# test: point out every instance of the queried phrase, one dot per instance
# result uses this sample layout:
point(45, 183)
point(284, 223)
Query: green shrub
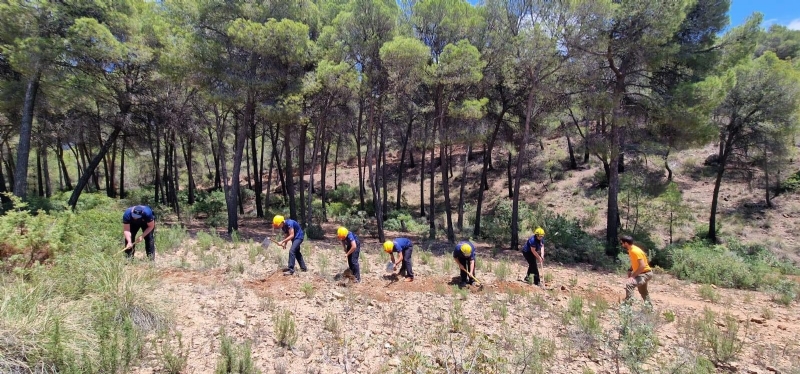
point(235, 358)
point(791, 184)
point(337, 209)
point(209, 204)
point(742, 267)
point(719, 342)
point(315, 232)
point(345, 194)
point(785, 292)
point(285, 328)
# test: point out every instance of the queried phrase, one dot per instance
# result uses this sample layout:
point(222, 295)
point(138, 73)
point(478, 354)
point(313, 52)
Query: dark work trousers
point(533, 267)
point(294, 253)
point(149, 241)
point(464, 276)
point(352, 263)
point(406, 266)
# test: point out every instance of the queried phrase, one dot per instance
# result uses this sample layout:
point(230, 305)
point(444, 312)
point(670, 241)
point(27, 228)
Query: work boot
point(462, 284)
point(409, 279)
point(288, 272)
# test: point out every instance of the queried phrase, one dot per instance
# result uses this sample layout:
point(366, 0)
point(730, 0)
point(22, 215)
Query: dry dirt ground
point(387, 326)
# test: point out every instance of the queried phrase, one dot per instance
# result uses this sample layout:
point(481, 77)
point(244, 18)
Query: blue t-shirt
point(144, 211)
point(533, 242)
point(460, 255)
point(401, 244)
point(348, 242)
point(298, 231)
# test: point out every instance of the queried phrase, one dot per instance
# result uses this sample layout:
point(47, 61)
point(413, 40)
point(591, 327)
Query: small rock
point(240, 322)
point(395, 362)
point(780, 327)
point(757, 320)
point(564, 288)
point(773, 369)
point(337, 295)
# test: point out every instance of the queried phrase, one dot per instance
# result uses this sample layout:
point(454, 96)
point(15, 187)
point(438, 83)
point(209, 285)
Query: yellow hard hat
point(341, 232)
point(466, 249)
point(388, 246)
point(538, 231)
point(278, 220)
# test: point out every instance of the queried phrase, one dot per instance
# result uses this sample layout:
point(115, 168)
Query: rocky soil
point(387, 326)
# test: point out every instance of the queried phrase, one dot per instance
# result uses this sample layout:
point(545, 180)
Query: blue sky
point(783, 12)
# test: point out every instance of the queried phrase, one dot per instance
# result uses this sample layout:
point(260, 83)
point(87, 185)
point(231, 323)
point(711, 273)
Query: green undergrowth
point(83, 308)
point(733, 265)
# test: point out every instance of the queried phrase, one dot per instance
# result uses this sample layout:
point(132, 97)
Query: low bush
point(791, 184)
point(345, 194)
point(285, 329)
point(337, 209)
point(210, 204)
point(744, 267)
point(315, 232)
point(235, 358)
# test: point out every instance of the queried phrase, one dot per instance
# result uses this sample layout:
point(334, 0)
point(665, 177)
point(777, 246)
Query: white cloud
point(794, 25)
point(769, 22)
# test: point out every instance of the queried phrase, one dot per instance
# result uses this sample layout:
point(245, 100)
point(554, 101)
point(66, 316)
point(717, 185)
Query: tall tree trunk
point(432, 209)
point(315, 149)
point(372, 160)
point(241, 140)
point(26, 127)
point(84, 179)
point(112, 171)
point(460, 223)
point(712, 220)
point(612, 217)
point(74, 148)
point(445, 169)
point(301, 169)
point(63, 166)
point(287, 141)
point(122, 169)
point(215, 155)
point(488, 147)
point(88, 156)
point(187, 148)
point(323, 182)
point(155, 154)
point(257, 170)
point(106, 180)
point(259, 201)
point(573, 164)
point(176, 176)
point(39, 172)
point(276, 156)
point(382, 157)
point(666, 166)
point(518, 175)
point(509, 180)
point(359, 125)
point(269, 175)
point(400, 170)
point(3, 198)
point(336, 161)
point(48, 189)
